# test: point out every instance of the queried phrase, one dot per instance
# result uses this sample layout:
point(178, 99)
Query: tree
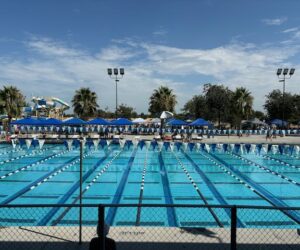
point(274, 105)
point(196, 107)
point(125, 111)
point(218, 99)
point(162, 99)
point(85, 103)
point(242, 102)
point(259, 115)
point(295, 117)
point(11, 101)
point(105, 113)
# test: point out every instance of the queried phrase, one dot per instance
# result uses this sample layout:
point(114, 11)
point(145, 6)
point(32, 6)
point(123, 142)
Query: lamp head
point(116, 71)
point(279, 72)
point(292, 71)
point(109, 71)
point(285, 71)
point(122, 72)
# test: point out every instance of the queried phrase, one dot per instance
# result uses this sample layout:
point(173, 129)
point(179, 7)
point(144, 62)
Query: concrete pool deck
point(37, 238)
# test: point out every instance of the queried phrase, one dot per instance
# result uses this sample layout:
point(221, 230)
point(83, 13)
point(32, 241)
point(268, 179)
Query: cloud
point(275, 21)
point(160, 32)
point(53, 68)
point(290, 30)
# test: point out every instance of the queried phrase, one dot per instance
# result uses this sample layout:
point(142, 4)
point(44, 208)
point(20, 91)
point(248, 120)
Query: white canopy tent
point(139, 121)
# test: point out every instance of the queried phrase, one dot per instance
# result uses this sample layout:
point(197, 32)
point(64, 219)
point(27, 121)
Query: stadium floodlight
point(282, 78)
point(279, 71)
point(292, 71)
point(114, 74)
point(285, 71)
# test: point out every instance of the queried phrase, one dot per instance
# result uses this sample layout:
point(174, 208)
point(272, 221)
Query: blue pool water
point(133, 175)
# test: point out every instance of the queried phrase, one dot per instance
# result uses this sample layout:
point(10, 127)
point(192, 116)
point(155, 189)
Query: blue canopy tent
point(74, 125)
point(279, 123)
point(27, 121)
point(51, 122)
point(176, 122)
point(98, 121)
point(200, 123)
point(74, 122)
point(121, 122)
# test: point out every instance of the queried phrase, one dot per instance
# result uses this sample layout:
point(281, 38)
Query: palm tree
point(11, 101)
point(162, 99)
point(242, 103)
point(85, 103)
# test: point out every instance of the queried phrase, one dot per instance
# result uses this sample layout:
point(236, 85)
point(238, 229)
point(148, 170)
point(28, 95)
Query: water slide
point(55, 99)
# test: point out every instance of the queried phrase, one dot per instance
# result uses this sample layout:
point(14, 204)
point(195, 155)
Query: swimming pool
point(169, 174)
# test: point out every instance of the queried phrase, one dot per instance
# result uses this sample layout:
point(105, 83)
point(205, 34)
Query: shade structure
point(74, 122)
point(139, 120)
point(155, 121)
point(176, 122)
point(51, 122)
point(255, 121)
point(121, 122)
point(166, 115)
point(27, 121)
point(278, 122)
point(200, 122)
point(98, 121)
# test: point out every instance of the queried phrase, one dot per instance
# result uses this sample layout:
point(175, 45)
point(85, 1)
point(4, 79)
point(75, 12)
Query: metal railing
point(243, 227)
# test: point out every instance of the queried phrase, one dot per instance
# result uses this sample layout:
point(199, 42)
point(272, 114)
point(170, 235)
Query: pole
point(233, 228)
point(80, 194)
point(283, 102)
point(117, 97)
point(100, 231)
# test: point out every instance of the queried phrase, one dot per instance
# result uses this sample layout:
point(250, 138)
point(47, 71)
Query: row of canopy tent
point(257, 122)
point(71, 122)
point(99, 121)
point(197, 123)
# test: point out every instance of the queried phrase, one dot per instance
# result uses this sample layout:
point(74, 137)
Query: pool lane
point(110, 216)
point(26, 157)
point(37, 182)
point(68, 193)
point(140, 201)
point(183, 191)
point(207, 183)
point(23, 175)
point(283, 178)
point(87, 185)
point(216, 218)
point(54, 189)
point(32, 163)
point(104, 190)
point(243, 171)
point(282, 165)
point(264, 167)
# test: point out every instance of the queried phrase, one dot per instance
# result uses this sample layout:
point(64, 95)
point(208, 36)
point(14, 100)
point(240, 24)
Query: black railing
point(18, 222)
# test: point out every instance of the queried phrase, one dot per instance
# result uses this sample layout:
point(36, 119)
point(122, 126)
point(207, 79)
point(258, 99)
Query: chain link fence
point(149, 226)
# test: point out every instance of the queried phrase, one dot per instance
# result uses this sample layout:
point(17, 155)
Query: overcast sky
point(52, 48)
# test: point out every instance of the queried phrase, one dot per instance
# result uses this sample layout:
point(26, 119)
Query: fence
point(149, 226)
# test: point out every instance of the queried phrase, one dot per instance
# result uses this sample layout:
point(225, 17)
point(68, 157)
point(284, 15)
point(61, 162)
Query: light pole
point(282, 76)
point(114, 74)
